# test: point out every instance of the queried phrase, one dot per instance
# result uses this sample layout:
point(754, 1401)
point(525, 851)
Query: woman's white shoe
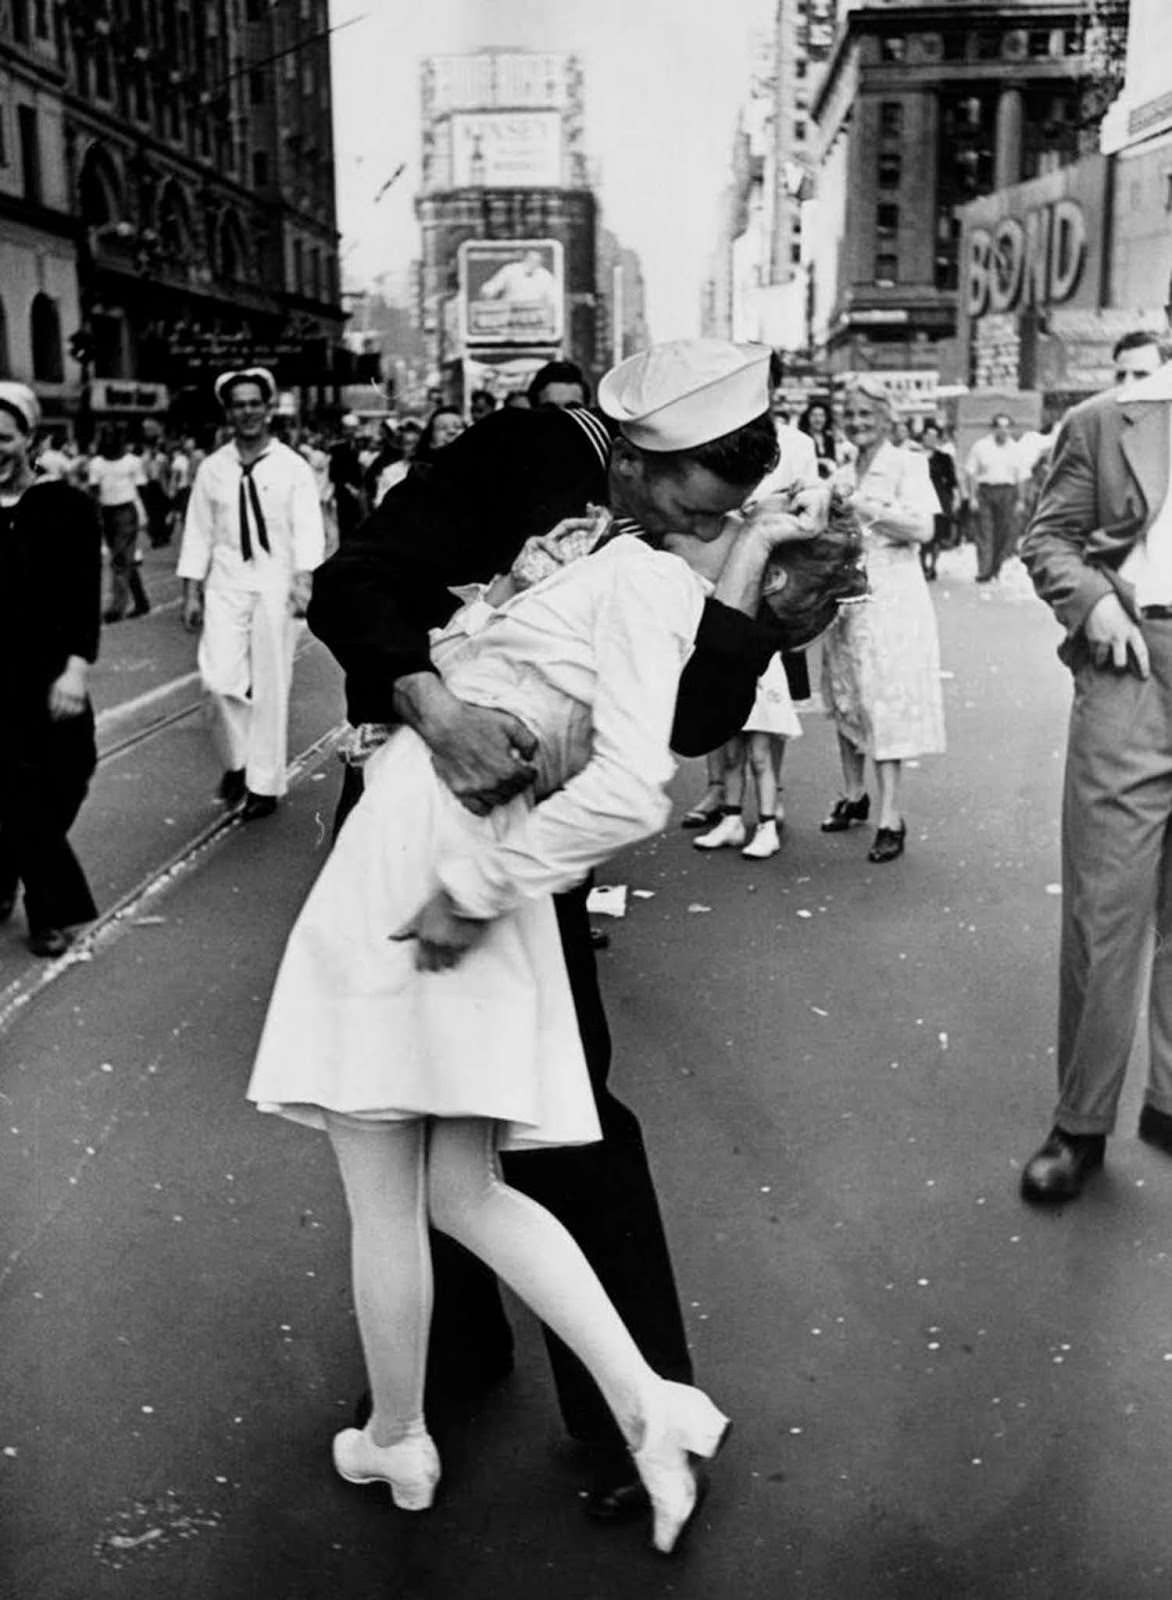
point(679, 1423)
point(410, 1468)
point(730, 830)
point(764, 842)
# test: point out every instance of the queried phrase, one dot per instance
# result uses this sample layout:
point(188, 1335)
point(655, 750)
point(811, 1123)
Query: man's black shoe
point(621, 1501)
point(1155, 1127)
point(257, 806)
point(232, 786)
point(1059, 1169)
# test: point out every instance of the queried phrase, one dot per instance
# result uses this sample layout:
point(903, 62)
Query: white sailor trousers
point(246, 663)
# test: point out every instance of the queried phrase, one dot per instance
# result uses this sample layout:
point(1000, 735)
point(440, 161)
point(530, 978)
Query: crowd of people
point(534, 610)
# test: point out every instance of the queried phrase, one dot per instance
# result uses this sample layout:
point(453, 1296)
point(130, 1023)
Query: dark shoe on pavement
point(258, 806)
point(49, 941)
point(889, 843)
point(1059, 1169)
point(140, 611)
point(232, 786)
point(112, 616)
point(1155, 1127)
point(621, 1497)
point(845, 812)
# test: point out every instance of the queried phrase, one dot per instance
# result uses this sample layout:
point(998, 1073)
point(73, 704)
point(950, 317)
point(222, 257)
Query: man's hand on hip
point(1115, 641)
point(484, 756)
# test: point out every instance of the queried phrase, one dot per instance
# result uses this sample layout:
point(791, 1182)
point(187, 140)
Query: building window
point(101, 72)
point(799, 69)
point(894, 47)
point(252, 10)
point(800, 130)
point(140, 100)
point(45, 328)
point(891, 119)
point(1168, 190)
point(298, 266)
point(41, 19)
point(890, 169)
point(20, 21)
point(256, 88)
point(260, 169)
point(30, 151)
point(5, 364)
point(795, 254)
point(886, 242)
point(3, 134)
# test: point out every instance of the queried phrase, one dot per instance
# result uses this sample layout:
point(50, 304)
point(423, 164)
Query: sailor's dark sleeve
point(376, 598)
point(719, 683)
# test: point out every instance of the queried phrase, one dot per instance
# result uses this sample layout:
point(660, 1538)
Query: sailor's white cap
point(681, 394)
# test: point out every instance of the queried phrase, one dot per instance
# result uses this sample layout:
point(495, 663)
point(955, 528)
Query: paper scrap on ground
point(608, 900)
point(696, 906)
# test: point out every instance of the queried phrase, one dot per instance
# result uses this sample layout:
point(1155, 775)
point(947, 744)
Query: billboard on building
point(505, 78)
point(506, 149)
point(512, 291)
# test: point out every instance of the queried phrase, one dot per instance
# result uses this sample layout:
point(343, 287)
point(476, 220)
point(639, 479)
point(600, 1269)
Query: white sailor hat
point(678, 395)
point(23, 403)
point(259, 375)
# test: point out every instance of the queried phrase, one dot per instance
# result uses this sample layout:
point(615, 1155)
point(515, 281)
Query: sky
point(663, 80)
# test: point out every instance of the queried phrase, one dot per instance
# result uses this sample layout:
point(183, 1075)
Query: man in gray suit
point(1099, 550)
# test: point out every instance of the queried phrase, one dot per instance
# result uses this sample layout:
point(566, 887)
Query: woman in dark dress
point(50, 608)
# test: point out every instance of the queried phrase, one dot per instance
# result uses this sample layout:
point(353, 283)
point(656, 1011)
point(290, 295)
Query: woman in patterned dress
point(881, 660)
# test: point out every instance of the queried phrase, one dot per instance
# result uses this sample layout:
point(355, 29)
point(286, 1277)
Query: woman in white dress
point(881, 660)
point(421, 1074)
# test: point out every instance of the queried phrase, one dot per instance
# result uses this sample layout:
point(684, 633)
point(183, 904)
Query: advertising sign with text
point(512, 291)
point(506, 149)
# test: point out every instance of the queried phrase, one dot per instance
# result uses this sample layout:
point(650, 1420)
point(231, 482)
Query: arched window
point(48, 358)
point(174, 221)
point(233, 251)
point(99, 189)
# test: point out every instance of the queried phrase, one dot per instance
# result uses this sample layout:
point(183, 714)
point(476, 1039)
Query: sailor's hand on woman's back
point(484, 756)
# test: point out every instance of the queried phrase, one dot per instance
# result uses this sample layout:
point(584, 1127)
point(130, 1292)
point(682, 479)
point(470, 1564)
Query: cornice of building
point(879, 20)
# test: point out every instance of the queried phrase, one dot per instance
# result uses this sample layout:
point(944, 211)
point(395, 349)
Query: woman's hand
point(67, 696)
point(443, 937)
point(300, 591)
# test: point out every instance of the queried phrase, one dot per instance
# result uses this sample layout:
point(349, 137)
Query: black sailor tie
point(249, 494)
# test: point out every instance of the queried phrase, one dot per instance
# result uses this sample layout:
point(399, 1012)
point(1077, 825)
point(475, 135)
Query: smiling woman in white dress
point(881, 660)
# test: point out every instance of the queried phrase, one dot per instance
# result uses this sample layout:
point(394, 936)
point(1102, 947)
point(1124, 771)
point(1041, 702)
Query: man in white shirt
point(252, 538)
point(1099, 549)
point(993, 480)
point(115, 478)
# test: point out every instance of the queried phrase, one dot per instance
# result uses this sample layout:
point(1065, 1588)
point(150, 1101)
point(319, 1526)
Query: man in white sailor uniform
point(252, 538)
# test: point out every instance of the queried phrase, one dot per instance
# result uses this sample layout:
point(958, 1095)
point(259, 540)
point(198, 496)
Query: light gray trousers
point(1116, 887)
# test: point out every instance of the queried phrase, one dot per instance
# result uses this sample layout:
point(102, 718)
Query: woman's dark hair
point(820, 574)
point(741, 457)
point(806, 420)
point(425, 452)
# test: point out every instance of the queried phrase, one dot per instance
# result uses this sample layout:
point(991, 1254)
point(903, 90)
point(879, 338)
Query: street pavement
point(938, 1393)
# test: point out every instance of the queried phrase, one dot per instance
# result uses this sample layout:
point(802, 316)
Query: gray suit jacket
point(1108, 479)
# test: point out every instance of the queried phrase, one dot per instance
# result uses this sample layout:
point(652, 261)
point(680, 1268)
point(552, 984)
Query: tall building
point(507, 216)
point(922, 107)
point(38, 228)
point(622, 301)
point(198, 174)
point(757, 282)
